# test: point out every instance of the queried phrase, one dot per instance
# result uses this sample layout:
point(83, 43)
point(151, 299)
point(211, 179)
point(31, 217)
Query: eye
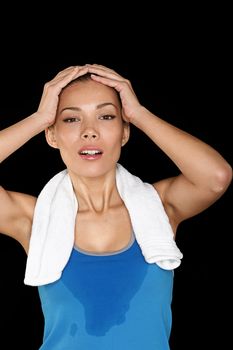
point(107, 117)
point(71, 120)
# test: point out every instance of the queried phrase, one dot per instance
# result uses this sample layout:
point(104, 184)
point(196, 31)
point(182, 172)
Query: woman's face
point(89, 131)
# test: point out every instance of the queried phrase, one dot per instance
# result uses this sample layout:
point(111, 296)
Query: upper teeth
point(90, 152)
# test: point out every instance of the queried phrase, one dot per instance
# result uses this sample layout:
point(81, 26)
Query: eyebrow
point(101, 105)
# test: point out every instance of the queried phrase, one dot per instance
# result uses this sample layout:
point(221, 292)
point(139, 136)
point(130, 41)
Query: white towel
point(52, 237)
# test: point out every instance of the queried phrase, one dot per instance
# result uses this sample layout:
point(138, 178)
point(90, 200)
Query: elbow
point(222, 178)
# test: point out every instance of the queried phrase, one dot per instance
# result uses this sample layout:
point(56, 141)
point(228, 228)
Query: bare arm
point(16, 209)
point(16, 215)
point(204, 173)
point(18, 134)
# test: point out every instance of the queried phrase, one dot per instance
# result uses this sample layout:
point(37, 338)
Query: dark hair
point(84, 77)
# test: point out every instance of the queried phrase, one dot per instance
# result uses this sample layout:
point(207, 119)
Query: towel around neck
point(52, 236)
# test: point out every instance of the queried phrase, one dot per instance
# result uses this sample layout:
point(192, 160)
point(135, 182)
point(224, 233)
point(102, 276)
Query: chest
point(107, 300)
point(103, 232)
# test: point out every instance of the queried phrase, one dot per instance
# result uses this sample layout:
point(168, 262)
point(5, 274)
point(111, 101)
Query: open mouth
point(90, 154)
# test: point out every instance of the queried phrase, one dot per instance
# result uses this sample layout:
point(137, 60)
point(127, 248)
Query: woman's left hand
point(130, 104)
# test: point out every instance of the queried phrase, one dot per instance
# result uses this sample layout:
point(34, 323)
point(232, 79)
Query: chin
point(94, 169)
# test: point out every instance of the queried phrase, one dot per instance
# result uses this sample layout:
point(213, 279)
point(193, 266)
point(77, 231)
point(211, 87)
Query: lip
point(90, 148)
point(90, 156)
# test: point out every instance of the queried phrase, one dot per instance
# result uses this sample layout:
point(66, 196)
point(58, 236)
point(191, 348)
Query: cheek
point(66, 138)
point(114, 136)
point(113, 146)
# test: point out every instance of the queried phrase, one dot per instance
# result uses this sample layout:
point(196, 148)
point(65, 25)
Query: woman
point(108, 296)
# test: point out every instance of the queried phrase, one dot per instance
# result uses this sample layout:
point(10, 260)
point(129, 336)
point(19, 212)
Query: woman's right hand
point(49, 101)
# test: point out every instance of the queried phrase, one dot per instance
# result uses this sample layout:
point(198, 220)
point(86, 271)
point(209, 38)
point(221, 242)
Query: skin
point(89, 117)
point(74, 118)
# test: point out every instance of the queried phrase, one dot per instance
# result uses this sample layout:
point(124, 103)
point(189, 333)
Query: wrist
point(139, 115)
point(39, 123)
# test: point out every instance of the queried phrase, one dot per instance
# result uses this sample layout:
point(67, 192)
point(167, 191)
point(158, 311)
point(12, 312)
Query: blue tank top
point(108, 301)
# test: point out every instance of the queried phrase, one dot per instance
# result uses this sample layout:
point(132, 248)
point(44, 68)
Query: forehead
point(88, 92)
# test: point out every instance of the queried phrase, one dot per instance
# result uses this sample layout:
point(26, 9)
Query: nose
point(89, 134)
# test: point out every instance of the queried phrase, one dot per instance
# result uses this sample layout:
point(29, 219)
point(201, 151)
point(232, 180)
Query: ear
point(126, 133)
point(50, 136)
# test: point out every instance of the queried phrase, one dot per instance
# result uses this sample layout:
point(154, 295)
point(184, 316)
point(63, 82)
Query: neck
point(96, 194)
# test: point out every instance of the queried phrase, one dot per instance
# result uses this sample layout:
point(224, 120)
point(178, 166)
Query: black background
point(180, 69)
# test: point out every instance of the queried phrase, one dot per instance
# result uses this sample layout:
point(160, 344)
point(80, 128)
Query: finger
point(81, 70)
point(101, 67)
point(70, 70)
point(66, 71)
point(68, 75)
point(105, 72)
point(114, 83)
